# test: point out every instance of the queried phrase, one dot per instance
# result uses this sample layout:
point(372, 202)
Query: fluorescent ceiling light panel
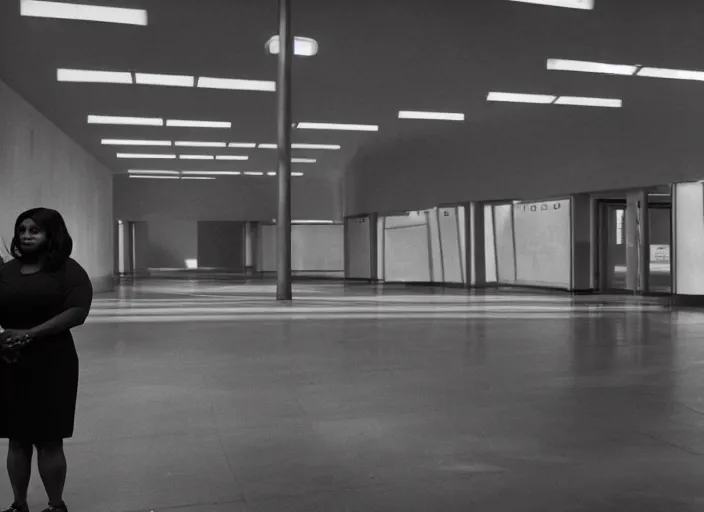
point(672, 74)
point(571, 4)
point(235, 84)
point(435, 116)
point(127, 142)
point(303, 160)
point(211, 173)
point(153, 171)
point(312, 222)
point(302, 46)
point(155, 177)
point(195, 144)
point(268, 146)
point(136, 121)
point(96, 77)
point(520, 98)
point(232, 157)
point(243, 145)
point(196, 157)
point(254, 173)
point(271, 174)
point(589, 102)
point(332, 147)
point(180, 123)
point(197, 178)
point(590, 67)
point(338, 126)
point(167, 80)
point(296, 174)
point(147, 156)
point(67, 11)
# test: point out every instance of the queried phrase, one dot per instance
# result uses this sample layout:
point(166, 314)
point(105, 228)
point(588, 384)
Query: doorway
point(612, 267)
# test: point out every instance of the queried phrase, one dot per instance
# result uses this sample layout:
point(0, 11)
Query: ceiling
point(376, 57)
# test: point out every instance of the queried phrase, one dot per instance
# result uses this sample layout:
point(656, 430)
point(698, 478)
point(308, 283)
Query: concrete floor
point(207, 396)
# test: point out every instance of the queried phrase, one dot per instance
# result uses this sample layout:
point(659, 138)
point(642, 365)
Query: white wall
point(688, 212)
point(359, 233)
point(243, 198)
point(500, 155)
point(316, 249)
point(171, 243)
point(42, 166)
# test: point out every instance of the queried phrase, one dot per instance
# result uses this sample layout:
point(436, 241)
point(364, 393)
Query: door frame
point(601, 250)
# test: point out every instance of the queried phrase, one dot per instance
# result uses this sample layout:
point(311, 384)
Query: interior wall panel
point(358, 245)
point(543, 243)
point(452, 255)
point(490, 245)
point(42, 166)
point(504, 244)
point(267, 248)
point(171, 243)
point(407, 255)
point(317, 249)
point(221, 244)
point(437, 273)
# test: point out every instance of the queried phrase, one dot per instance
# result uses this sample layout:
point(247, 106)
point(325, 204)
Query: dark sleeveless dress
point(38, 396)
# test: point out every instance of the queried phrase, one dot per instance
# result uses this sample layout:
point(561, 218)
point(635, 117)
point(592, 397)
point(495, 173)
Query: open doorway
point(612, 236)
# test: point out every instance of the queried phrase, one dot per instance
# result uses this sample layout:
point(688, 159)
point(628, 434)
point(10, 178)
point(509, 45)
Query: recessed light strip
point(181, 123)
point(195, 144)
point(153, 171)
point(67, 11)
point(338, 126)
point(126, 142)
point(435, 116)
point(590, 67)
point(146, 156)
point(520, 98)
point(138, 176)
point(579, 101)
point(205, 82)
point(570, 4)
point(589, 102)
point(166, 80)
point(87, 76)
point(136, 121)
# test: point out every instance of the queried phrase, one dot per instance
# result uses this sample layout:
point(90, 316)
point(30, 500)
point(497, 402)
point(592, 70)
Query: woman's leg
point(19, 467)
point(52, 468)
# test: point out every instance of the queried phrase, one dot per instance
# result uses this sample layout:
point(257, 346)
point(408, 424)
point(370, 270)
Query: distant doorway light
point(302, 46)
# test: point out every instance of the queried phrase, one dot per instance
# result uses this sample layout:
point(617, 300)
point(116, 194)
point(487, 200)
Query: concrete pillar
point(124, 248)
point(582, 243)
point(250, 244)
point(476, 252)
point(637, 242)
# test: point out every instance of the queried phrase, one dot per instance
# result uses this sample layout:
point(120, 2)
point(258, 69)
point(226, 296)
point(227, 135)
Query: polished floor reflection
point(207, 396)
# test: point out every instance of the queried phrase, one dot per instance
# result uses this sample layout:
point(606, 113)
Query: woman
point(43, 294)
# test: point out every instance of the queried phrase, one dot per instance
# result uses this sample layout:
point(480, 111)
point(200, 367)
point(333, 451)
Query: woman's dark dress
point(38, 399)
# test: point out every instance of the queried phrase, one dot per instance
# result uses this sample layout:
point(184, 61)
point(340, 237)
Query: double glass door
point(613, 238)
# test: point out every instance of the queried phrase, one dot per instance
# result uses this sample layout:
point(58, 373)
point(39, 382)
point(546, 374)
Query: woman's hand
point(11, 341)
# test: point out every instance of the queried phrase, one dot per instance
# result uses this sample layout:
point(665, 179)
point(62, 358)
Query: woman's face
point(30, 236)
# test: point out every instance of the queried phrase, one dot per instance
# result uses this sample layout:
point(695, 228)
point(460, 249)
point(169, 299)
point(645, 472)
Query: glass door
point(660, 224)
point(612, 246)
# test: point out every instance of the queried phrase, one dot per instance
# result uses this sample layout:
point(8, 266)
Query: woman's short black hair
point(59, 244)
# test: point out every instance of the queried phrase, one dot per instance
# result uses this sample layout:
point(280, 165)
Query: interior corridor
point(208, 396)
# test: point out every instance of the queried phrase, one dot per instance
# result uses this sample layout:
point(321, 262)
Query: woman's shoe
point(55, 508)
point(15, 508)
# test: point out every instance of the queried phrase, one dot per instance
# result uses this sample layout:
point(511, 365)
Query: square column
point(475, 240)
point(637, 242)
